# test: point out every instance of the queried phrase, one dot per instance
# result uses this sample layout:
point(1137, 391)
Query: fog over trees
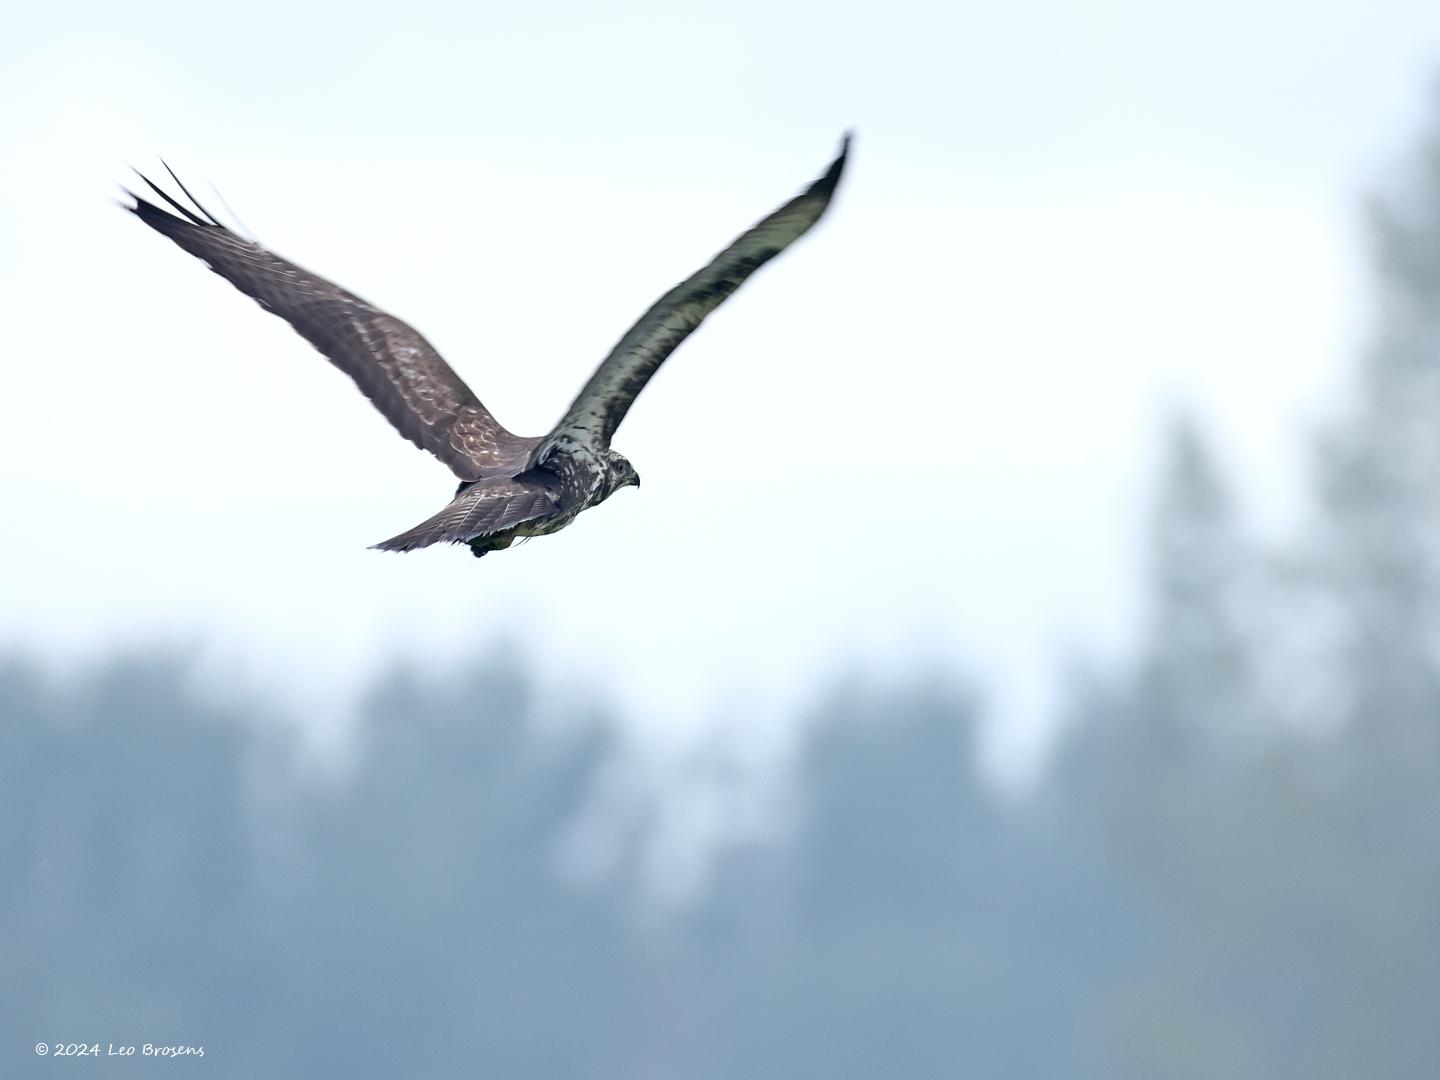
point(1230, 868)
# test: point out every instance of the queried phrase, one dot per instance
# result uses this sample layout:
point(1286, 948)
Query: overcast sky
point(921, 437)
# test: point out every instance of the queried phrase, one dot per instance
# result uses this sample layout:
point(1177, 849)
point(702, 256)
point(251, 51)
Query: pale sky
point(923, 437)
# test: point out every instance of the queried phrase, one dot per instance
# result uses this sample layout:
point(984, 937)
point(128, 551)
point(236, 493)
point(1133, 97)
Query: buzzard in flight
point(510, 485)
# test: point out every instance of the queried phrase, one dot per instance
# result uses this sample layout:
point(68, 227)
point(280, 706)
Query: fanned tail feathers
point(484, 509)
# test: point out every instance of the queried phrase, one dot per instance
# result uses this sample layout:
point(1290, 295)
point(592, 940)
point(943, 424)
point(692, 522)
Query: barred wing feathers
point(391, 363)
point(607, 397)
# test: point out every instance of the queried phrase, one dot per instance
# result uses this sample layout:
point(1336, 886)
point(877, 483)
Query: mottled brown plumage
point(512, 485)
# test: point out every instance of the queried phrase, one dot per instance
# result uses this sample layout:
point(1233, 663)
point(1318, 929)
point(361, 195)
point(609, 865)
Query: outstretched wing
point(396, 368)
point(483, 509)
point(597, 412)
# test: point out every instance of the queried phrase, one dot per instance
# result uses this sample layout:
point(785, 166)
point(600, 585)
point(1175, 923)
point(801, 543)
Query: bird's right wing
point(607, 397)
point(396, 368)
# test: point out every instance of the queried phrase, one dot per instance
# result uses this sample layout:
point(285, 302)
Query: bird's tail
point(490, 510)
point(430, 531)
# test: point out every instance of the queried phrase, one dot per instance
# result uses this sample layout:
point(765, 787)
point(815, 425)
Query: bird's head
point(619, 473)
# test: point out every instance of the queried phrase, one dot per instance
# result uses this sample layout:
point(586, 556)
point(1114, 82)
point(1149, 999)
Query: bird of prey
point(510, 485)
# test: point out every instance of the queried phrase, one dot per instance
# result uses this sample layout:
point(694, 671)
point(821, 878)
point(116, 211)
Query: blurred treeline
point(1229, 869)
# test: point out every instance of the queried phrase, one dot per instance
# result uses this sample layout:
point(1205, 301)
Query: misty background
point(1076, 716)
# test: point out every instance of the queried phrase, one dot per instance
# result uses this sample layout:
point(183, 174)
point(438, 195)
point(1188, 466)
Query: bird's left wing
point(396, 368)
point(597, 412)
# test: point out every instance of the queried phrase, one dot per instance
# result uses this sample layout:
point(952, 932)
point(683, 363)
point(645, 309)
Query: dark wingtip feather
point(158, 190)
point(196, 202)
point(827, 183)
